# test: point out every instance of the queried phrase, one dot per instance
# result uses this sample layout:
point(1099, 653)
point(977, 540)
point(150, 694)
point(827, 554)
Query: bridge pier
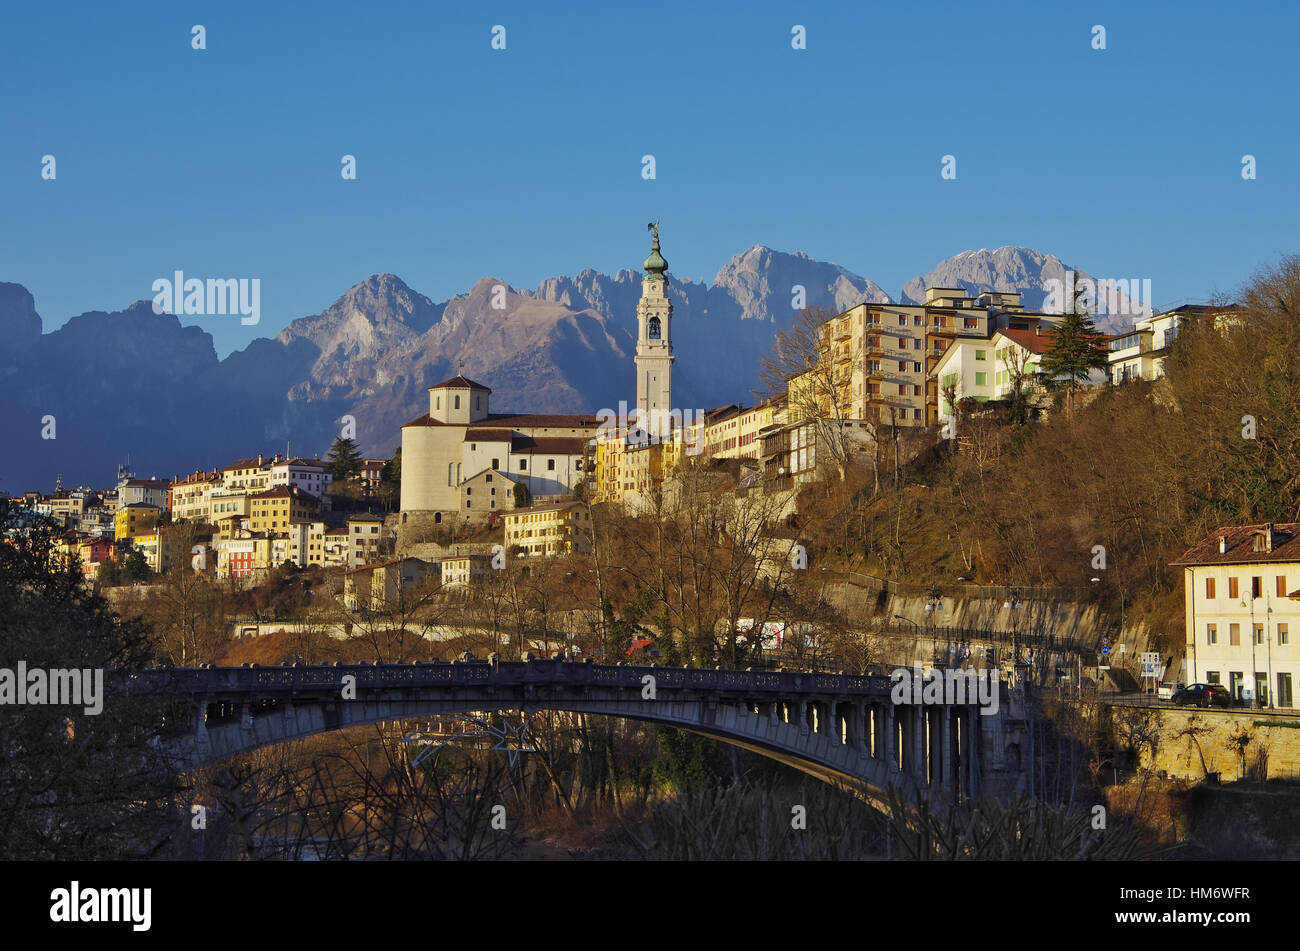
point(202, 742)
point(950, 751)
point(919, 767)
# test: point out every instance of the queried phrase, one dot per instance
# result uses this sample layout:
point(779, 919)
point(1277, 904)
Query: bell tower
point(654, 348)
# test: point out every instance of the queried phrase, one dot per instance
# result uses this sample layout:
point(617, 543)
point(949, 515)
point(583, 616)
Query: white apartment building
point(1241, 590)
point(310, 475)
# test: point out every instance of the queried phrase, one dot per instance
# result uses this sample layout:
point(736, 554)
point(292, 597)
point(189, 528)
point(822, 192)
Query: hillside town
point(470, 489)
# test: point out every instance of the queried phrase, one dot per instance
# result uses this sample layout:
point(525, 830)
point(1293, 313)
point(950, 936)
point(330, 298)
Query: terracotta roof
point(501, 472)
point(536, 509)
point(460, 381)
point(518, 420)
point(252, 463)
point(198, 477)
point(551, 420)
point(384, 564)
point(560, 445)
point(1041, 342)
point(1241, 546)
point(479, 434)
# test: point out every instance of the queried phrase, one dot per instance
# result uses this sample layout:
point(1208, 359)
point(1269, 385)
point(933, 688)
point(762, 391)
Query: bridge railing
point(327, 679)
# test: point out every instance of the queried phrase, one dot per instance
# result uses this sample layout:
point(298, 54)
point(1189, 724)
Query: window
point(468, 490)
point(902, 366)
point(489, 479)
point(1232, 587)
point(1211, 633)
point(902, 389)
point(916, 368)
point(654, 328)
point(981, 379)
point(1234, 634)
point(1259, 633)
point(1209, 587)
point(1283, 698)
point(457, 401)
point(467, 503)
point(496, 463)
point(1283, 634)
point(972, 323)
point(1256, 587)
point(523, 465)
point(916, 414)
point(902, 320)
point(550, 465)
point(981, 354)
point(1211, 676)
point(916, 390)
point(1281, 586)
point(476, 401)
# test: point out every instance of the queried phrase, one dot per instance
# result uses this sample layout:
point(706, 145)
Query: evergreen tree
point(344, 460)
point(1074, 353)
point(81, 781)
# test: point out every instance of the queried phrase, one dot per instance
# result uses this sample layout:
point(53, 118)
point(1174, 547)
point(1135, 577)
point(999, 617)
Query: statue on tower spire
point(655, 265)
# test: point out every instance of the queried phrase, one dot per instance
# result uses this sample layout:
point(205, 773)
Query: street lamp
point(909, 621)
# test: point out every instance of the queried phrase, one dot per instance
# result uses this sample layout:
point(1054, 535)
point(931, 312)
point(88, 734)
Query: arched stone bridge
point(841, 728)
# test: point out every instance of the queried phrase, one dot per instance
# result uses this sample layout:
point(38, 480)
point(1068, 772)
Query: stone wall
point(1276, 732)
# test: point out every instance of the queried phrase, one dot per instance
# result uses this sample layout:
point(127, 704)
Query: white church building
point(448, 453)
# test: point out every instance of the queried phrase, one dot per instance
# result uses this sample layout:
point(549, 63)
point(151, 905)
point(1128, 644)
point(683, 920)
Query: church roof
point(507, 421)
point(460, 382)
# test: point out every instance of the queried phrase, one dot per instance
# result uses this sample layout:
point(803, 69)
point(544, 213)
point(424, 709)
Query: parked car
point(1203, 695)
point(1166, 690)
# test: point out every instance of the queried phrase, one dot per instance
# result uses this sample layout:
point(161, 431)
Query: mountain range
point(139, 385)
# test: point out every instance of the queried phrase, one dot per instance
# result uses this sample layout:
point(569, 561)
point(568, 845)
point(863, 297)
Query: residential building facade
point(1241, 592)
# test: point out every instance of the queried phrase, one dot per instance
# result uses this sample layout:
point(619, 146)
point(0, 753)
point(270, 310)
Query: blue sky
point(526, 163)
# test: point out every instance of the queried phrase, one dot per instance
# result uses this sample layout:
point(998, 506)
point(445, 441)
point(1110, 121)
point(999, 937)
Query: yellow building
point(274, 509)
point(162, 547)
point(381, 586)
point(876, 361)
point(734, 432)
point(135, 519)
point(462, 571)
point(547, 530)
point(191, 496)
